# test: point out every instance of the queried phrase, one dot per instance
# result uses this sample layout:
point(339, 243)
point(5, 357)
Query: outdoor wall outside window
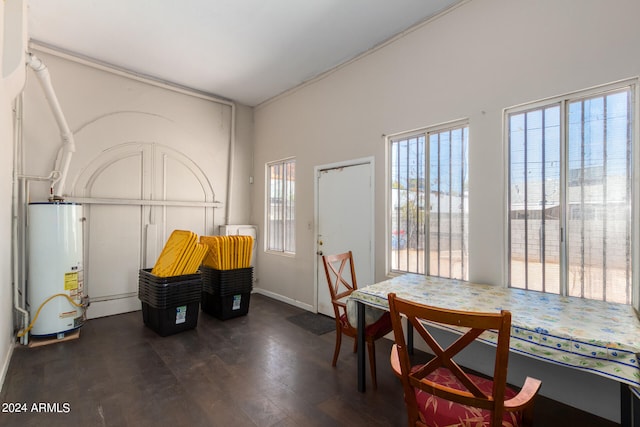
point(571, 196)
point(281, 180)
point(429, 192)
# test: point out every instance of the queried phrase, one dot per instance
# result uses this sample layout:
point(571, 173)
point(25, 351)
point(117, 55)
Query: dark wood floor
point(255, 370)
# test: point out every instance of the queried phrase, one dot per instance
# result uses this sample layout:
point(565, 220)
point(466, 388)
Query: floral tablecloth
point(594, 336)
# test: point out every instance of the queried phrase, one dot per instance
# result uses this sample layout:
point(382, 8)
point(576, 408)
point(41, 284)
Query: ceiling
point(244, 50)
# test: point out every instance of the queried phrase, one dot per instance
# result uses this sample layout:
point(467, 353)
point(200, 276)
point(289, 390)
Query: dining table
point(598, 337)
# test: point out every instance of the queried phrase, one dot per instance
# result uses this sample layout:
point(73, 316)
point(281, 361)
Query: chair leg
point(336, 352)
point(371, 346)
point(527, 416)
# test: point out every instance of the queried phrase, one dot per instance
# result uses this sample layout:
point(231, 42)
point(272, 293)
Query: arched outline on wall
point(191, 165)
point(164, 85)
point(86, 177)
point(120, 112)
point(89, 174)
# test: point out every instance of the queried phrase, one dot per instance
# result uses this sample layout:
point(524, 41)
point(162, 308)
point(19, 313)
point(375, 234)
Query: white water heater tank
point(55, 267)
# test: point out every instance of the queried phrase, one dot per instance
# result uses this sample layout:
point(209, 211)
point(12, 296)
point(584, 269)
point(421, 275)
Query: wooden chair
point(341, 284)
point(439, 392)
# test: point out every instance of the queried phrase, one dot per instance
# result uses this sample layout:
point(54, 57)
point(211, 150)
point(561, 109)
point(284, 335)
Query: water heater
point(55, 276)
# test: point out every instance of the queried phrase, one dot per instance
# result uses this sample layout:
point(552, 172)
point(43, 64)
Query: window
point(281, 180)
point(429, 191)
point(570, 194)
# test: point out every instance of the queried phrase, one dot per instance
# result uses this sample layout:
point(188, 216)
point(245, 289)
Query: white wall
point(12, 75)
point(472, 62)
point(6, 320)
point(242, 190)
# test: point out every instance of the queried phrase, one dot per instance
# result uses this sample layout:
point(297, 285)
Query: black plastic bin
point(226, 307)
point(226, 293)
point(171, 320)
point(169, 304)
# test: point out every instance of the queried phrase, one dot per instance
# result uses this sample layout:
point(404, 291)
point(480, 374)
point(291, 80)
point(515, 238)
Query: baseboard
point(5, 364)
point(114, 306)
point(284, 299)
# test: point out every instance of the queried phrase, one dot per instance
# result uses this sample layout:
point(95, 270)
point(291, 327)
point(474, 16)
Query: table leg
point(635, 410)
point(625, 405)
point(629, 407)
point(362, 386)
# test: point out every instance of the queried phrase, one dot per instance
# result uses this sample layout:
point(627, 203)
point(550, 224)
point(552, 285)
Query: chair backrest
point(474, 324)
point(341, 276)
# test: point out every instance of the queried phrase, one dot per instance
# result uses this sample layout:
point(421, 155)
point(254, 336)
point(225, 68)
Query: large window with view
point(429, 202)
point(571, 195)
point(281, 180)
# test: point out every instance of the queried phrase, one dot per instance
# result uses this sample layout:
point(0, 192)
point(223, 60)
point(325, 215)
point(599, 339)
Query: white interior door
point(345, 201)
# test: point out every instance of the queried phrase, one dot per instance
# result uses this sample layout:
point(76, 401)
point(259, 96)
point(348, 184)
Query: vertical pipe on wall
point(18, 279)
point(232, 144)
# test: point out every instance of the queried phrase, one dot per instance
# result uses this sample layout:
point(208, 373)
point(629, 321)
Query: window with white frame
point(570, 194)
point(280, 212)
point(429, 201)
